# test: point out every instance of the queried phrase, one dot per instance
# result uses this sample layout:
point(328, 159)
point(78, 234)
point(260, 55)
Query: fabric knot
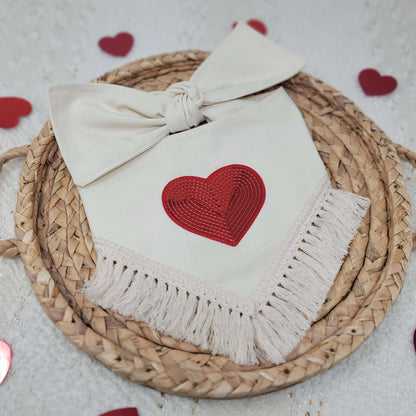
point(184, 111)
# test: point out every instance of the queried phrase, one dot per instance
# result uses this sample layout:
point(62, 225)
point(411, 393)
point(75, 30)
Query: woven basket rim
point(316, 358)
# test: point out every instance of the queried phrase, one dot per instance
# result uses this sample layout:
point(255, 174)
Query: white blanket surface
point(53, 44)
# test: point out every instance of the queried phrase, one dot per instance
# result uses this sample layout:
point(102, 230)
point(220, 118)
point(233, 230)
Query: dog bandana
point(212, 214)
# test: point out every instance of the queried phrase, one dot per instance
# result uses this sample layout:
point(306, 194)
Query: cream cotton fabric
point(252, 302)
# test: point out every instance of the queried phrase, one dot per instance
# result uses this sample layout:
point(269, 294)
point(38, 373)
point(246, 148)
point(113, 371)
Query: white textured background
point(49, 42)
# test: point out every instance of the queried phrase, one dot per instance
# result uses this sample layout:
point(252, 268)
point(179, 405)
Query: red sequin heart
point(11, 108)
point(126, 411)
point(5, 360)
point(256, 24)
point(374, 84)
point(222, 207)
point(119, 45)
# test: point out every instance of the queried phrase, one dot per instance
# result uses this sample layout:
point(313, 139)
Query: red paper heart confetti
point(222, 207)
point(119, 45)
point(256, 24)
point(11, 108)
point(126, 411)
point(414, 340)
point(375, 84)
point(5, 360)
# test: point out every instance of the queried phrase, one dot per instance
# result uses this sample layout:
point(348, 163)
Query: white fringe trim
point(264, 327)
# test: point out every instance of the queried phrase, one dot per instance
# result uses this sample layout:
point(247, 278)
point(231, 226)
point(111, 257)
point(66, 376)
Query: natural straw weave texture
point(54, 240)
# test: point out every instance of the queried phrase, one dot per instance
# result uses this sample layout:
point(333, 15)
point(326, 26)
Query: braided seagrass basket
point(54, 241)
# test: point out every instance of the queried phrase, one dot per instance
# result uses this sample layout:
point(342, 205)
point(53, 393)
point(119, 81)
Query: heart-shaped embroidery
point(11, 108)
point(374, 84)
point(5, 360)
point(221, 207)
point(119, 45)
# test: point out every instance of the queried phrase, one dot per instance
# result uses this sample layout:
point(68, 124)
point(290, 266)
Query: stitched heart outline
point(221, 207)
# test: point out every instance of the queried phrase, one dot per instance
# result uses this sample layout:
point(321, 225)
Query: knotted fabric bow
point(116, 123)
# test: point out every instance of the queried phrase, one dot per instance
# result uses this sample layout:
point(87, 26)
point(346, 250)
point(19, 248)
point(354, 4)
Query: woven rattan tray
point(54, 241)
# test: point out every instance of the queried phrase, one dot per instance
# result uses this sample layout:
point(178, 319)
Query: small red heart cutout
point(5, 360)
point(256, 24)
point(221, 207)
point(414, 340)
point(126, 411)
point(11, 108)
point(375, 84)
point(119, 45)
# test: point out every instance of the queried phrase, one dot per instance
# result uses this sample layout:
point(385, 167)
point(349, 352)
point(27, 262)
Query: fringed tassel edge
point(298, 285)
point(265, 328)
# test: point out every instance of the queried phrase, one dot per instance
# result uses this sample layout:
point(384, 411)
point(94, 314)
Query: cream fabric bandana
point(226, 234)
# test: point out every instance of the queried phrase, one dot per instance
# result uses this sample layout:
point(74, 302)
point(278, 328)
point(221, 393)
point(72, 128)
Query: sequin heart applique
point(221, 207)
